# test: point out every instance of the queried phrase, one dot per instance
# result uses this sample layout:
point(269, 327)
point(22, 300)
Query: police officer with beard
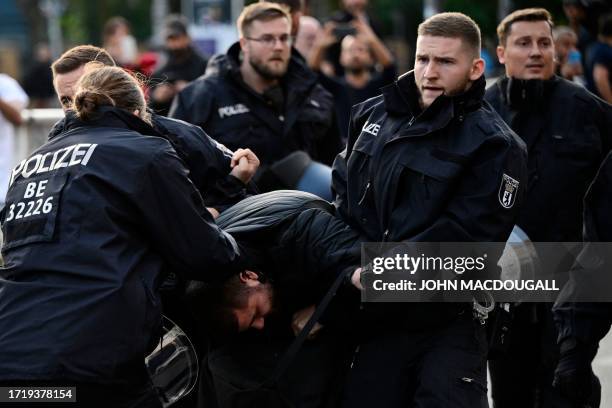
point(93, 219)
point(567, 132)
point(428, 161)
point(261, 97)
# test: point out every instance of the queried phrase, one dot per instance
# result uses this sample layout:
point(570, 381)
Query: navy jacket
point(589, 322)
point(208, 162)
point(567, 133)
point(454, 172)
point(92, 218)
point(235, 115)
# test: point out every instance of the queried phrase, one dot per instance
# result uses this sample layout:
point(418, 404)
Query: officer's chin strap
point(482, 304)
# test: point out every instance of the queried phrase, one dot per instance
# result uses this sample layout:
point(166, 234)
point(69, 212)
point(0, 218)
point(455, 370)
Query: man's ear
point(243, 42)
point(478, 67)
point(249, 278)
point(501, 51)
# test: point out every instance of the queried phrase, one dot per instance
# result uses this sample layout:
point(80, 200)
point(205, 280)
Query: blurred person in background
point(119, 42)
point(568, 58)
point(310, 29)
point(599, 62)
point(582, 16)
point(264, 97)
point(13, 99)
point(183, 64)
point(38, 80)
point(360, 54)
point(354, 10)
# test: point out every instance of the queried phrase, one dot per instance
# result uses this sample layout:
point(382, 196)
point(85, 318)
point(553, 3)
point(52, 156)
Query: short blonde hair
point(453, 25)
point(263, 11)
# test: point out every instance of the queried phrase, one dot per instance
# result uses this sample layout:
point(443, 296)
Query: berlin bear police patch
point(507, 191)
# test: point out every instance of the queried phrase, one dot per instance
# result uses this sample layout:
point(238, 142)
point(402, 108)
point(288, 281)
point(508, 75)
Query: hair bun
point(87, 102)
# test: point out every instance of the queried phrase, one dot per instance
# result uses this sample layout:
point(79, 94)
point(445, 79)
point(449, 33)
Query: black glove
point(574, 377)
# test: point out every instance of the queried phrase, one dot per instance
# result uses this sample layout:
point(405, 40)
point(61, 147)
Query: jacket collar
point(109, 116)
point(402, 98)
point(526, 94)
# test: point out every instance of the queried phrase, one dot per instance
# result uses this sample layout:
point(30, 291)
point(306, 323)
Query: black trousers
point(442, 368)
point(523, 376)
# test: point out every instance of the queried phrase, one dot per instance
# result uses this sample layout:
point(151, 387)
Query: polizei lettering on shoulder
point(50, 161)
point(371, 128)
point(227, 111)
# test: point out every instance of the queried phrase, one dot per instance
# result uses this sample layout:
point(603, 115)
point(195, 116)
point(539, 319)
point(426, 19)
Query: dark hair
point(529, 14)
point(453, 25)
point(81, 55)
point(214, 303)
point(175, 25)
point(101, 85)
point(263, 11)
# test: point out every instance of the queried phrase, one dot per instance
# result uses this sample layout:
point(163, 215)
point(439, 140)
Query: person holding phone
point(367, 63)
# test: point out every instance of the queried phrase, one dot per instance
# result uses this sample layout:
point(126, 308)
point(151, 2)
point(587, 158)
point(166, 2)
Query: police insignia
point(507, 191)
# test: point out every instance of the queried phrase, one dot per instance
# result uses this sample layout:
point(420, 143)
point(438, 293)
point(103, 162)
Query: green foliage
point(483, 12)
point(84, 20)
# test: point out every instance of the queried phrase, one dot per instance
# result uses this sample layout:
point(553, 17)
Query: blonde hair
point(102, 85)
point(453, 25)
point(262, 11)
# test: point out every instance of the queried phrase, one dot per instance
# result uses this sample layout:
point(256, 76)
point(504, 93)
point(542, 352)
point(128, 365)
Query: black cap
point(175, 26)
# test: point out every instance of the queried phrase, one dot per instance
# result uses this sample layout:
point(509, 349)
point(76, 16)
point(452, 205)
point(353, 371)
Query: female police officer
point(91, 220)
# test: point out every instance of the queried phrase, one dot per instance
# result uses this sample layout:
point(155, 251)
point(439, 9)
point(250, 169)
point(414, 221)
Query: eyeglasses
point(269, 40)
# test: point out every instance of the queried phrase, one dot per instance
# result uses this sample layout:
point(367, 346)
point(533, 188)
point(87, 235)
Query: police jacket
point(295, 240)
point(235, 115)
point(454, 172)
point(208, 161)
point(567, 133)
point(590, 279)
point(91, 219)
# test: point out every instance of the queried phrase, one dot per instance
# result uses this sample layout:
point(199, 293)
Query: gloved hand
point(574, 377)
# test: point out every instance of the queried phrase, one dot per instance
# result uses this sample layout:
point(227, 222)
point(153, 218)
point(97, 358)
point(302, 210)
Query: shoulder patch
point(507, 191)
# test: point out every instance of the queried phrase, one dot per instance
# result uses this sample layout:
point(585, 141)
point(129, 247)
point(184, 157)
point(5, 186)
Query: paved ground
point(603, 368)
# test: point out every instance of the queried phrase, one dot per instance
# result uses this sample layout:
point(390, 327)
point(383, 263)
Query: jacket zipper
point(365, 193)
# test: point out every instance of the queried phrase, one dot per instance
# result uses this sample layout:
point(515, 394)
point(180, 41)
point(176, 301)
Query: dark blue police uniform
point(92, 219)
point(452, 172)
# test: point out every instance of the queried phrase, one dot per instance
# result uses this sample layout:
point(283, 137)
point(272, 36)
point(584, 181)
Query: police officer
point(92, 218)
point(221, 176)
point(583, 324)
point(429, 161)
point(261, 97)
point(567, 132)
